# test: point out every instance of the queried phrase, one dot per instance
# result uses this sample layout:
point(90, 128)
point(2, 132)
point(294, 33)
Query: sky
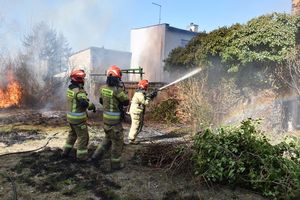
point(107, 23)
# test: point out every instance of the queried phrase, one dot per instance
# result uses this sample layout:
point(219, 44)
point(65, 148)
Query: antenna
point(159, 11)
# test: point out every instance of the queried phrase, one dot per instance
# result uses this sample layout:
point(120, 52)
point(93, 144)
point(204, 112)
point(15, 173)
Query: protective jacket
point(77, 103)
point(137, 110)
point(112, 99)
point(138, 102)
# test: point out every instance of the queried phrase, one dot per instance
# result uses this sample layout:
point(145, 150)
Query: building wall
point(151, 45)
point(175, 38)
point(81, 60)
point(102, 59)
point(96, 60)
point(296, 7)
point(147, 51)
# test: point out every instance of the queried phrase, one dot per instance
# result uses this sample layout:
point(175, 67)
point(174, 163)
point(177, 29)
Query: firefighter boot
point(66, 152)
point(97, 156)
point(82, 155)
point(116, 164)
point(134, 142)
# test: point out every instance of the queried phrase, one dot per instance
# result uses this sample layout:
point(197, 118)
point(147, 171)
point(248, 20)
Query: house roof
point(92, 48)
point(169, 28)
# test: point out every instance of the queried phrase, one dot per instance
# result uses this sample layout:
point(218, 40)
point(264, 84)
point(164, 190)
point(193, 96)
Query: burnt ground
point(45, 175)
point(18, 136)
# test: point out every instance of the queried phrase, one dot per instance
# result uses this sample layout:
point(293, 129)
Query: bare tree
point(288, 73)
point(45, 54)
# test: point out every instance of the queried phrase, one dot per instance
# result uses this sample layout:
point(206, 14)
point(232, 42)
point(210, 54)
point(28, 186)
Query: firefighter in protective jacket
point(112, 98)
point(77, 105)
point(137, 109)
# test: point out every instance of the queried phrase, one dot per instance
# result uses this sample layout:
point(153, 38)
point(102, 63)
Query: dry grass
point(203, 105)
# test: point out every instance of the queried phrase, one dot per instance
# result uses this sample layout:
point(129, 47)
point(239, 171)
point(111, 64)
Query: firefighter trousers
point(136, 126)
point(114, 139)
point(79, 133)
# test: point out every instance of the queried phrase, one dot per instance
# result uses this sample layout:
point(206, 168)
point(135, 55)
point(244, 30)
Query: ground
point(44, 174)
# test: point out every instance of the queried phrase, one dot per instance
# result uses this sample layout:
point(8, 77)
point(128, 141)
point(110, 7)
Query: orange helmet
point(114, 71)
point(143, 84)
point(78, 75)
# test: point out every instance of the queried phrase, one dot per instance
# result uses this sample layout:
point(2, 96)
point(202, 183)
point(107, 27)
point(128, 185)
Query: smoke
point(84, 23)
point(10, 35)
point(8, 66)
point(74, 15)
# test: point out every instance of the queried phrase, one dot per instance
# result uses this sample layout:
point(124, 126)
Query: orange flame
point(12, 94)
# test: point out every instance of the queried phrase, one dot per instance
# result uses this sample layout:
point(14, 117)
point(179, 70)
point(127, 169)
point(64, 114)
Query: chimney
point(295, 7)
point(194, 27)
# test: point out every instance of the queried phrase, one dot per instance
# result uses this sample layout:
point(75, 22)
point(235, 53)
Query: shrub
point(243, 156)
point(165, 111)
point(194, 106)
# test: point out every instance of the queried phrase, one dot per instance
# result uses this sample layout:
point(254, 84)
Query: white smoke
point(10, 36)
point(84, 23)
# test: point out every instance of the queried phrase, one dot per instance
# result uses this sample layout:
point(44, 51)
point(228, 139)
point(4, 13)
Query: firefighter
point(112, 98)
point(77, 105)
point(137, 109)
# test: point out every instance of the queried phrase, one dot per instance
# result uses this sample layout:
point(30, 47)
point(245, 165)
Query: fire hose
point(144, 108)
point(123, 109)
point(20, 152)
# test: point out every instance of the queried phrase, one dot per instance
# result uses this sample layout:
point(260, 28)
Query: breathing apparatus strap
point(122, 85)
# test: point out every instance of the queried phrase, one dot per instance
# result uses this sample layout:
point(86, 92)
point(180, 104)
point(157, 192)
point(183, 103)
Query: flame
point(11, 95)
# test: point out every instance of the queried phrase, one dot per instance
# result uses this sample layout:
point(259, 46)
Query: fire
point(11, 95)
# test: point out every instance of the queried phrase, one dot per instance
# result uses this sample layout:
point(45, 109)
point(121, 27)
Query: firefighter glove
point(92, 107)
point(153, 94)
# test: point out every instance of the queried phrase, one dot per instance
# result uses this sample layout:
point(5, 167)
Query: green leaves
point(243, 155)
point(262, 41)
point(265, 39)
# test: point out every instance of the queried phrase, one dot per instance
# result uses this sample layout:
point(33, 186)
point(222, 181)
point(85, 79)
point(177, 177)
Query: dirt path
point(45, 175)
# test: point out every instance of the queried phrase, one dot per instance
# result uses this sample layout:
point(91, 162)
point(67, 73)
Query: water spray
point(192, 73)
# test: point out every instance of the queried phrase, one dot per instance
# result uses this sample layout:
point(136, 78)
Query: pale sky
point(108, 23)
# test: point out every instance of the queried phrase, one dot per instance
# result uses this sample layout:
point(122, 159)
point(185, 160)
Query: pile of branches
point(234, 155)
point(175, 157)
point(242, 155)
point(165, 111)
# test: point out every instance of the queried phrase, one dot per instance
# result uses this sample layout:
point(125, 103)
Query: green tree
point(213, 45)
point(266, 41)
point(263, 41)
point(184, 57)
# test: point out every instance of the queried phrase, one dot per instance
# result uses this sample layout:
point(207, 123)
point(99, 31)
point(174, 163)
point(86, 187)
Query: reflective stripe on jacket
point(111, 99)
point(76, 114)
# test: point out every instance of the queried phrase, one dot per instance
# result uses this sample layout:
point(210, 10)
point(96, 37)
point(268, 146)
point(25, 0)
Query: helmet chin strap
point(81, 84)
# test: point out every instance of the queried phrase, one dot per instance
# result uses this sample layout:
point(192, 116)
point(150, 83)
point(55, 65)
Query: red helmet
point(78, 75)
point(114, 71)
point(143, 84)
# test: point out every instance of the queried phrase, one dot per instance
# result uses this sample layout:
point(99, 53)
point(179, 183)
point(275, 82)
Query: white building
point(151, 45)
point(95, 60)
